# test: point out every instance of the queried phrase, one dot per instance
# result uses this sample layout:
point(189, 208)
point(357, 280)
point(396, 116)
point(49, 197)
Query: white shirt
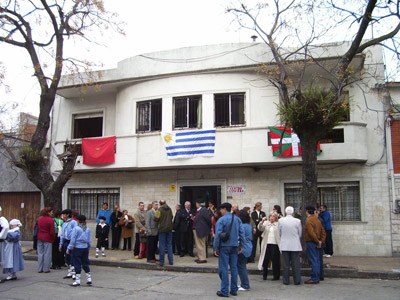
point(5, 226)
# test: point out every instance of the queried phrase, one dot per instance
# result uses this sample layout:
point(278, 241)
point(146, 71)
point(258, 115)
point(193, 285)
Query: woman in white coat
point(270, 246)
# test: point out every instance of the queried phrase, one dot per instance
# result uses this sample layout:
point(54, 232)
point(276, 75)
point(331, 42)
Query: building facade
point(220, 87)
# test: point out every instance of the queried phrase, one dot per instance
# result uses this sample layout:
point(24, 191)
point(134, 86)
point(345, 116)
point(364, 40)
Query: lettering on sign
point(236, 189)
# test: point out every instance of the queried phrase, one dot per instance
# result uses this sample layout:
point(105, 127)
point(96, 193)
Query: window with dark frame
point(229, 109)
point(341, 198)
point(87, 125)
point(89, 201)
point(187, 112)
point(149, 115)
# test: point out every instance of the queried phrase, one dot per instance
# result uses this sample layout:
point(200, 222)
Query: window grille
point(90, 201)
point(229, 109)
point(187, 112)
point(149, 115)
point(341, 198)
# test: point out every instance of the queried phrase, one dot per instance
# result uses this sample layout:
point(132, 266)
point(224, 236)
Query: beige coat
point(265, 226)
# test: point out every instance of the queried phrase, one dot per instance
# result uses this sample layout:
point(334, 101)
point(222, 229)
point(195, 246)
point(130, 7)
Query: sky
point(151, 25)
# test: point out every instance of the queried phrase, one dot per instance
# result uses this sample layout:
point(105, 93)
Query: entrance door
point(211, 193)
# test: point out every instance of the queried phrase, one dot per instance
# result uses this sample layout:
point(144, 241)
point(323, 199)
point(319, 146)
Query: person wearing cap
point(102, 231)
point(4, 227)
point(79, 247)
point(46, 236)
point(165, 226)
point(13, 260)
point(228, 250)
point(314, 236)
point(202, 228)
point(65, 238)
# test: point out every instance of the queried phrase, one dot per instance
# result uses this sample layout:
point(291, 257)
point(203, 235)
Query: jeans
point(242, 270)
point(228, 258)
point(165, 240)
point(313, 258)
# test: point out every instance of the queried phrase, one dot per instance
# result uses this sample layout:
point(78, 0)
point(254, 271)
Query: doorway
point(209, 193)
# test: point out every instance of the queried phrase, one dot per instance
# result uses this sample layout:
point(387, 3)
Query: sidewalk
point(336, 266)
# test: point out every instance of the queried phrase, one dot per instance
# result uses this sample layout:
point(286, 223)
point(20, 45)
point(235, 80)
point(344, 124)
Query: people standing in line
point(79, 248)
point(245, 251)
point(4, 227)
point(325, 215)
point(46, 236)
point(140, 222)
point(227, 251)
point(290, 230)
point(151, 233)
point(202, 228)
point(270, 246)
point(57, 257)
point(65, 238)
point(105, 212)
point(127, 222)
point(314, 236)
point(165, 225)
point(102, 232)
point(185, 230)
point(176, 241)
point(13, 260)
point(256, 217)
point(115, 228)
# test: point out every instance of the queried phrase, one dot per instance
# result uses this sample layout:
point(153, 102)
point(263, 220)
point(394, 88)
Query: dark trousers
point(187, 242)
point(321, 263)
point(67, 256)
point(291, 259)
point(256, 237)
point(127, 242)
point(116, 237)
point(151, 247)
point(136, 248)
point(57, 256)
point(328, 243)
point(272, 254)
point(176, 242)
point(81, 260)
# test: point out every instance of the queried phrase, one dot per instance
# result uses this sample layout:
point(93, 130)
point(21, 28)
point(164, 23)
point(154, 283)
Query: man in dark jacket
point(165, 225)
point(202, 228)
point(185, 224)
point(256, 217)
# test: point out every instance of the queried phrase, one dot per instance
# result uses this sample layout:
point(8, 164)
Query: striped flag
point(286, 143)
point(187, 144)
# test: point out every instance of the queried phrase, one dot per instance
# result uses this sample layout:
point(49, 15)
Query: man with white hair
point(290, 231)
point(4, 227)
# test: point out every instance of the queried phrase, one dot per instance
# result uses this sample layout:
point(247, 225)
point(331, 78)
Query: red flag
point(98, 151)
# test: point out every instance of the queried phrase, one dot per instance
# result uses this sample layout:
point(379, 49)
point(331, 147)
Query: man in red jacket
point(45, 237)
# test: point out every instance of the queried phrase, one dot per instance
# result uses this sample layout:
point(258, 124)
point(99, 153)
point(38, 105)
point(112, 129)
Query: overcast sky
point(151, 25)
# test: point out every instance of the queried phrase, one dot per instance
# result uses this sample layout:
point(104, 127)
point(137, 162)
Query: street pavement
point(127, 283)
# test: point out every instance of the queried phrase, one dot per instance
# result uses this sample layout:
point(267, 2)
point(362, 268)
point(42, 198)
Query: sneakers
point(97, 255)
point(103, 255)
point(327, 255)
point(11, 277)
point(242, 289)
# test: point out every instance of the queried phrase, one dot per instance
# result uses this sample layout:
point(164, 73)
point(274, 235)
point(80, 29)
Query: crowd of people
point(64, 239)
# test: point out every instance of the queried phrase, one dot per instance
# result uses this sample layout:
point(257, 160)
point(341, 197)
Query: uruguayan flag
point(186, 144)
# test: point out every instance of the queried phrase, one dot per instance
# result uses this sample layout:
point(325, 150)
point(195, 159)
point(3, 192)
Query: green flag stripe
point(279, 132)
point(281, 149)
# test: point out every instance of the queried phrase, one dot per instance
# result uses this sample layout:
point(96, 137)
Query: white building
point(219, 87)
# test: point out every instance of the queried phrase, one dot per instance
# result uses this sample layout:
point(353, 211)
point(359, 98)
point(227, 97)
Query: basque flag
point(187, 144)
point(98, 151)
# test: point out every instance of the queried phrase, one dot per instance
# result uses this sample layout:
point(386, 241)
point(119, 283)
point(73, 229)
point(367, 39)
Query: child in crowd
point(102, 231)
point(79, 247)
point(13, 260)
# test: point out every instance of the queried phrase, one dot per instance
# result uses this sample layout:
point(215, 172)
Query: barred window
point(229, 109)
point(90, 201)
point(187, 112)
point(149, 114)
point(341, 198)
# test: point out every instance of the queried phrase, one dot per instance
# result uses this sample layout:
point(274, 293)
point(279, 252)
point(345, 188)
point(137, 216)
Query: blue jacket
point(247, 246)
point(66, 230)
point(326, 217)
point(236, 237)
point(80, 238)
point(105, 213)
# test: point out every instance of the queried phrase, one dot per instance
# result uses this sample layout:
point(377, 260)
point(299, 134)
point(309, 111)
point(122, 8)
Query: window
point(149, 116)
point(335, 136)
point(90, 201)
point(341, 198)
point(187, 112)
point(88, 125)
point(229, 109)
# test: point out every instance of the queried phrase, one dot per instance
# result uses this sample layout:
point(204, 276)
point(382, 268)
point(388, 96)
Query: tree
point(313, 103)
point(43, 28)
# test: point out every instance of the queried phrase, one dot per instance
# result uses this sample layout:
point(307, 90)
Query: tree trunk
point(53, 198)
point(309, 170)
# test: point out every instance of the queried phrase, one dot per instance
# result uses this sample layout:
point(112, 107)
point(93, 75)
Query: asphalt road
point(120, 283)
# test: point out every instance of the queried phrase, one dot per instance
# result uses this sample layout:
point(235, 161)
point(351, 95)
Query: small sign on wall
point(236, 190)
point(172, 188)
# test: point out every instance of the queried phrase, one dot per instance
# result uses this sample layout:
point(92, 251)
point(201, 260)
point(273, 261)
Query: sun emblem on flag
point(168, 138)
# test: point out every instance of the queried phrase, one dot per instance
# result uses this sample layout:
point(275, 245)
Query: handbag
point(224, 236)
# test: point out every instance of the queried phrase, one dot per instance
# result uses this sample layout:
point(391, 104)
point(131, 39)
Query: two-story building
point(150, 101)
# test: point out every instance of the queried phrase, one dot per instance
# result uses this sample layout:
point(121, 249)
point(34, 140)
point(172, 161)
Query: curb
point(330, 272)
